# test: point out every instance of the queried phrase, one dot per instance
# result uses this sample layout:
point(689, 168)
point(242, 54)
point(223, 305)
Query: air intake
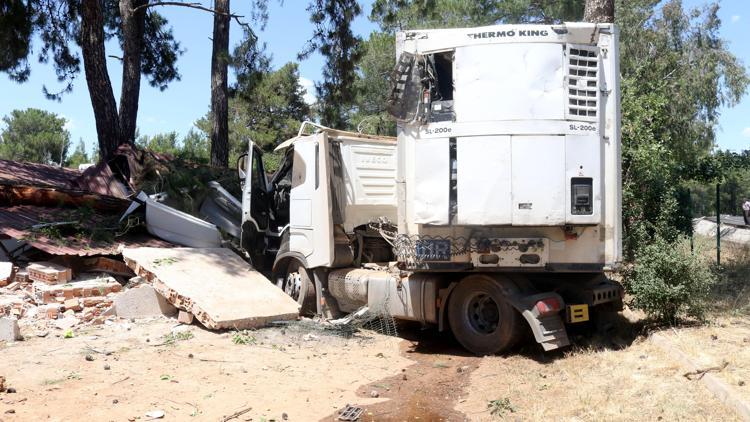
point(583, 82)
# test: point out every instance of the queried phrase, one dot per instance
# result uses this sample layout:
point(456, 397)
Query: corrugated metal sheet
point(16, 222)
point(33, 174)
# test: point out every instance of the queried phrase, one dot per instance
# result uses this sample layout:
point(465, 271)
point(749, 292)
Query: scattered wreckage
point(64, 234)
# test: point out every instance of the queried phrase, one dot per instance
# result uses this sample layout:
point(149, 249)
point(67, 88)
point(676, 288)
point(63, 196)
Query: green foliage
point(500, 407)
point(78, 157)
point(57, 23)
point(172, 338)
point(165, 143)
point(676, 74)
point(244, 337)
point(267, 109)
point(668, 281)
point(15, 37)
point(372, 85)
point(334, 39)
point(393, 15)
point(193, 147)
point(34, 135)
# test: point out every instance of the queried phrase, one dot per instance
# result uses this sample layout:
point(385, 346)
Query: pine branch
point(193, 6)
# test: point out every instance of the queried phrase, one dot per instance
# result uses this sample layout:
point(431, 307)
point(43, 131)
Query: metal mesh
point(412, 250)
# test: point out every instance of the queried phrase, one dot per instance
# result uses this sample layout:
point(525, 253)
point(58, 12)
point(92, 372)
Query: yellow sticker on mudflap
point(577, 313)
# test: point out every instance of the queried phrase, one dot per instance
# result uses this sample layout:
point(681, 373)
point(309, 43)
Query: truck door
point(311, 227)
point(254, 194)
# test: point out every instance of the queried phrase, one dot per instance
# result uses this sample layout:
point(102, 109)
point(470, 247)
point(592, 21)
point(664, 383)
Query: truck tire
point(297, 282)
point(480, 317)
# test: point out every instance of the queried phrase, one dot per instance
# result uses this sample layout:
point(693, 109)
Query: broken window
point(441, 87)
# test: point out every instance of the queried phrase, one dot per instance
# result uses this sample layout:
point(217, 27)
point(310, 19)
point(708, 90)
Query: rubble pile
point(51, 295)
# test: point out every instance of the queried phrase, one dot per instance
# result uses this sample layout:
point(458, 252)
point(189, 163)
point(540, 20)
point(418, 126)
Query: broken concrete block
point(142, 302)
point(66, 323)
point(185, 318)
point(9, 330)
point(49, 272)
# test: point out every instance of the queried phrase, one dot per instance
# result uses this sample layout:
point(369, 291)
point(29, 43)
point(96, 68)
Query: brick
point(49, 272)
point(93, 301)
point(184, 317)
point(73, 304)
point(22, 276)
point(9, 330)
point(48, 311)
point(13, 286)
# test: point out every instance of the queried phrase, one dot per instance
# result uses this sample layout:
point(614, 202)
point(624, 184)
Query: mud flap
point(548, 328)
point(549, 331)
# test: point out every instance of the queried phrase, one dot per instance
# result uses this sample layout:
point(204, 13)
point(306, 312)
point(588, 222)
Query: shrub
point(668, 281)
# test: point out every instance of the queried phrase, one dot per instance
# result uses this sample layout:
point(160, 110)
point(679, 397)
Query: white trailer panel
point(484, 180)
point(538, 180)
point(509, 82)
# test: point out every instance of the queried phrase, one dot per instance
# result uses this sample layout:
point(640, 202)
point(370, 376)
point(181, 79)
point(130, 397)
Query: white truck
point(497, 207)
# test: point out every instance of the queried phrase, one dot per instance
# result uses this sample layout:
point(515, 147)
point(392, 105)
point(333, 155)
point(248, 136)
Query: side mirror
point(404, 101)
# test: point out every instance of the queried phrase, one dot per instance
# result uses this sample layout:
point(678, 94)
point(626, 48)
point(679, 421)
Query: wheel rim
point(293, 284)
point(483, 313)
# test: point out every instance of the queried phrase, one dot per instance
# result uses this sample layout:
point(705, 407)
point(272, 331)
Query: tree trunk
point(97, 77)
point(219, 106)
point(132, 26)
point(599, 11)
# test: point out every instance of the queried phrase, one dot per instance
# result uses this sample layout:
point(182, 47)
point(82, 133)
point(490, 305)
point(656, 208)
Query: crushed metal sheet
point(34, 174)
point(16, 222)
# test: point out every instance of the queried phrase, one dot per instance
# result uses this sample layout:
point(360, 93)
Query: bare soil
point(302, 374)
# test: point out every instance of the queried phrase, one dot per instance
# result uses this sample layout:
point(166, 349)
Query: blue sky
point(286, 33)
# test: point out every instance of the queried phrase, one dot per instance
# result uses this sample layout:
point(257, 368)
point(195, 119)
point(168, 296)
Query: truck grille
point(583, 82)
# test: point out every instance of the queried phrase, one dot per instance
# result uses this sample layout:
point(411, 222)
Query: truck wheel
point(480, 317)
point(297, 282)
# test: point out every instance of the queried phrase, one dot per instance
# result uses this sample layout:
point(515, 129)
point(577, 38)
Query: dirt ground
point(123, 371)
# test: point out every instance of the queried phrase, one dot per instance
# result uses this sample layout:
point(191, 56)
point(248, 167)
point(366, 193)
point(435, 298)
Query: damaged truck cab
point(496, 208)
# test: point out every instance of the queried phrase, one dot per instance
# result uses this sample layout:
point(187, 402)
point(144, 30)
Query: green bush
point(668, 281)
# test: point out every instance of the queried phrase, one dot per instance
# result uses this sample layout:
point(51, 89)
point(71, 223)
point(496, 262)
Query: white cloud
point(69, 125)
point(309, 86)
point(746, 132)
point(735, 18)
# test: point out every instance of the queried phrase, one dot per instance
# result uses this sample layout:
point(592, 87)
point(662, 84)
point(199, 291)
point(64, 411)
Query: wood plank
point(214, 284)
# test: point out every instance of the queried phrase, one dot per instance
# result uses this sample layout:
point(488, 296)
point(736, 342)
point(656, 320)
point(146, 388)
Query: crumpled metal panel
point(34, 174)
point(16, 222)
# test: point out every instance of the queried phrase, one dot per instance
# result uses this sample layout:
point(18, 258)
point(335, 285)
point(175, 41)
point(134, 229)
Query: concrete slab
point(142, 302)
point(214, 284)
point(9, 329)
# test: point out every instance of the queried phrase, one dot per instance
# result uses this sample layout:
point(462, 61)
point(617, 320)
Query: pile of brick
point(90, 295)
point(47, 292)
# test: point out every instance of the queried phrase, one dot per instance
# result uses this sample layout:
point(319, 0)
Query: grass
point(731, 294)
point(499, 407)
point(172, 338)
point(244, 338)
